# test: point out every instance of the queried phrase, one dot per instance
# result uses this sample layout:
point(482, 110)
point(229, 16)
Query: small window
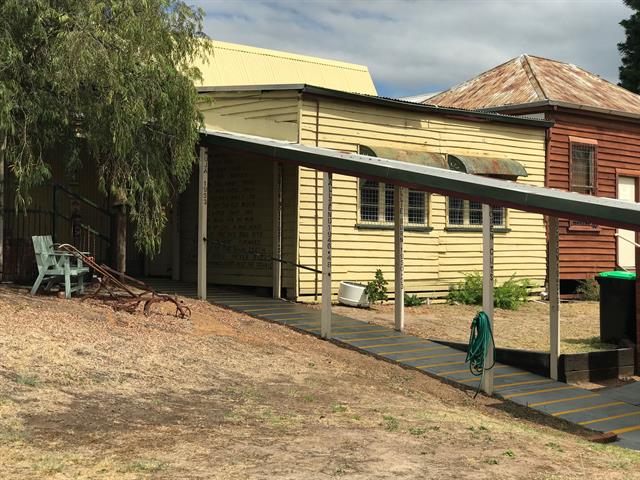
point(388, 203)
point(416, 207)
point(377, 204)
point(465, 213)
point(583, 166)
point(369, 200)
point(456, 211)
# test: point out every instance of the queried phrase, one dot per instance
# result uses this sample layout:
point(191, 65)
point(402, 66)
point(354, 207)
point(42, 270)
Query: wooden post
point(175, 239)
point(325, 316)
point(277, 229)
point(554, 297)
point(487, 289)
point(203, 193)
point(398, 217)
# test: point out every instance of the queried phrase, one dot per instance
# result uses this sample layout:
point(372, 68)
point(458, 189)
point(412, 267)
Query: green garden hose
point(480, 341)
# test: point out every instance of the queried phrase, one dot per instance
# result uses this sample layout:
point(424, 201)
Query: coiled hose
point(480, 341)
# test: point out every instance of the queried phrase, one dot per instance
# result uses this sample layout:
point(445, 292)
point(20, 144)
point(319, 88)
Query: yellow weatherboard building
point(442, 235)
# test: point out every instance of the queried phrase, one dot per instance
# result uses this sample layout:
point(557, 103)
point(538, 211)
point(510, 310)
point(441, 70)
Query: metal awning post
point(277, 229)
point(325, 315)
point(554, 297)
point(487, 290)
point(203, 193)
point(398, 217)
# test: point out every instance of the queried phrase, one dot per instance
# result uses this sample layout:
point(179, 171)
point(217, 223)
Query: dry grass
point(88, 393)
point(526, 328)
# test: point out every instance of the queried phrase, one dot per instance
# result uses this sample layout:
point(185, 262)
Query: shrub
point(376, 290)
point(510, 295)
point(413, 300)
point(588, 289)
point(468, 291)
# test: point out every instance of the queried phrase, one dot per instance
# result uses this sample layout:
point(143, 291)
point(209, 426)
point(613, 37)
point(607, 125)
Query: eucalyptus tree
point(103, 81)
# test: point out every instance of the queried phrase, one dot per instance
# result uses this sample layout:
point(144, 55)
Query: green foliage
point(391, 423)
point(510, 295)
point(110, 82)
point(588, 289)
point(468, 291)
point(509, 454)
point(28, 380)
point(630, 49)
point(338, 408)
point(413, 300)
point(376, 290)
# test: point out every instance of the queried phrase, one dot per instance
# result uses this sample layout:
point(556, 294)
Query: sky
point(419, 46)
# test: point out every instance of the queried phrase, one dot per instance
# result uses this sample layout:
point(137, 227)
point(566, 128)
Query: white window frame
point(466, 223)
point(382, 218)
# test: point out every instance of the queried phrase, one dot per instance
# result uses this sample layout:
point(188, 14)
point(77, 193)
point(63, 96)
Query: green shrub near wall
point(510, 295)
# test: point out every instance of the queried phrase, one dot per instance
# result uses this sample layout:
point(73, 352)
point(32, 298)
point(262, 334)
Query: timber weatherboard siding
point(433, 259)
point(584, 254)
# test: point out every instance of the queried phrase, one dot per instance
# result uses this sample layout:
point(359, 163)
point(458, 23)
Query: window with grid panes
point(377, 204)
point(369, 200)
point(583, 165)
point(465, 213)
point(583, 175)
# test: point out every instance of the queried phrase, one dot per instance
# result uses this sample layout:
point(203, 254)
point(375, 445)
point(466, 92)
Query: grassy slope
point(88, 393)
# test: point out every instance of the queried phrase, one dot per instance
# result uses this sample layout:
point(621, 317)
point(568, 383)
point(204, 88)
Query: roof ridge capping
point(470, 80)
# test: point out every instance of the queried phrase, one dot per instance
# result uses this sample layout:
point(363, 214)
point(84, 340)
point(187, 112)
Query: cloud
point(421, 46)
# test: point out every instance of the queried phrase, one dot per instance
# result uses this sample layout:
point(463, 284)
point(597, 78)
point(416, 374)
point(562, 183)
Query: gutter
point(556, 103)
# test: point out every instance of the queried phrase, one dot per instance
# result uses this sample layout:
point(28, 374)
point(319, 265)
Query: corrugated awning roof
point(558, 203)
point(502, 167)
point(430, 159)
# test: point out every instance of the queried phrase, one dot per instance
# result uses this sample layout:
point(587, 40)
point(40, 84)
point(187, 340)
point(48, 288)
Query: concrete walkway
point(598, 412)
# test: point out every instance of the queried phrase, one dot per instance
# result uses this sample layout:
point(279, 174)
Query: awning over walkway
point(496, 192)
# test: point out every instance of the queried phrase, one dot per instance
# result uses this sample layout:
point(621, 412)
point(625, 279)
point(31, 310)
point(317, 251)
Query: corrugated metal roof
point(486, 166)
point(419, 98)
point(432, 159)
point(232, 64)
point(600, 210)
point(528, 79)
point(461, 163)
point(386, 102)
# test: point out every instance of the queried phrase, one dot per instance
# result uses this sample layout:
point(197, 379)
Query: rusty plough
point(122, 289)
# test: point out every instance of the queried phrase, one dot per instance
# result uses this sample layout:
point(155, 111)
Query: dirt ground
point(86, 393)
point(526, 328)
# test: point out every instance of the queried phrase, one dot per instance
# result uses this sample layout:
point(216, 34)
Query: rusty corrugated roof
point(529, 79)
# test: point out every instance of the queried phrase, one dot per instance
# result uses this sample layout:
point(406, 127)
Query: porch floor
point(589, 409)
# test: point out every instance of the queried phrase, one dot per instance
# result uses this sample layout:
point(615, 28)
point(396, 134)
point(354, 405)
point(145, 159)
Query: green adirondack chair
point(55, 267)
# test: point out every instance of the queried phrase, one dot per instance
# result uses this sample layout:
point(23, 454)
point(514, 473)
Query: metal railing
point(73, 219)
